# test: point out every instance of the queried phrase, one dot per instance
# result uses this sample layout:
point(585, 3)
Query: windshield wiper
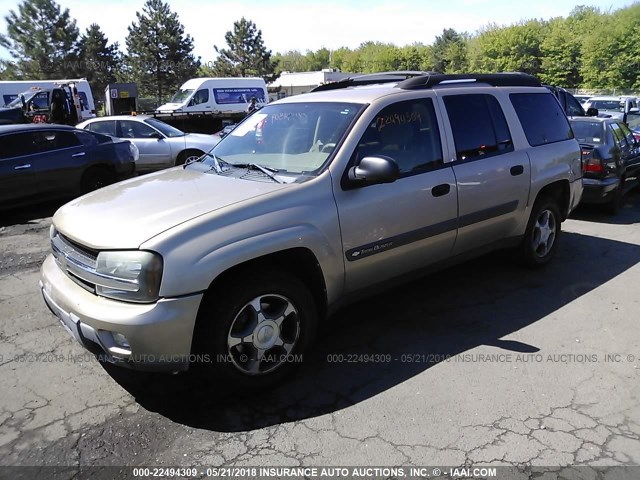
point(216, 162)
point(269, 172)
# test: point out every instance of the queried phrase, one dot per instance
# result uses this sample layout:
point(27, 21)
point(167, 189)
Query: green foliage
point(159, 54)
point(246, 55)
point(97, 60)
point(41, 38)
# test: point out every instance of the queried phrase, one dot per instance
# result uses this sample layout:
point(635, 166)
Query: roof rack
point(373, 78)
point(508, 79)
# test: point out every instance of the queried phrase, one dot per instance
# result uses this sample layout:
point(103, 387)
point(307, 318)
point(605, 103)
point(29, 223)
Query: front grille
point(75, 260)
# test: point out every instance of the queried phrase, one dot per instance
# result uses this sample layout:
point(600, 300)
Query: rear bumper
point(599, 190)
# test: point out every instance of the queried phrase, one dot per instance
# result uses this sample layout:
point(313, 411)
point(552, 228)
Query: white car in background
point(160, 144)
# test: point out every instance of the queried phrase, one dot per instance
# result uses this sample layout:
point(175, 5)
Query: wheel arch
point(561, 191)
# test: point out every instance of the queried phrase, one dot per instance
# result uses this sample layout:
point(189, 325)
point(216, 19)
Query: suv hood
point(127, 214)
point(169, 107)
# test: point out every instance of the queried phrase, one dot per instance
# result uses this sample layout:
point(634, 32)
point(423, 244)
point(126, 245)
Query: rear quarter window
point(541, 117)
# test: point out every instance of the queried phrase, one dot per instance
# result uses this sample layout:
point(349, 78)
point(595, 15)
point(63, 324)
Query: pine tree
point(159, 54)
point(41, 39)
point(246, 55)
point(98, 61)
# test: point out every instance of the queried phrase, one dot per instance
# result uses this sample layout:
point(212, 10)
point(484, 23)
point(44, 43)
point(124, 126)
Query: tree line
point(588, 49)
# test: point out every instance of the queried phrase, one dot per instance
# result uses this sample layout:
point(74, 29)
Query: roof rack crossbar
point(508, 79)
point(373, 78)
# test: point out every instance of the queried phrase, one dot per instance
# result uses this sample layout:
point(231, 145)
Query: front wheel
point(540, 240)
point(255, 331)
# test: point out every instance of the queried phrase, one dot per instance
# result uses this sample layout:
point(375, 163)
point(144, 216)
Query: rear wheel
point(95, 178)
point(188, 156)
point(255, 330)
point(540, 240)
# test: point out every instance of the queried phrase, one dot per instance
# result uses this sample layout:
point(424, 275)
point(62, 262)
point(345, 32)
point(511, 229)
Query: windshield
point(17, 102)
point(181, 95)
point(290, 138)
point(613, 105)
point(166, 129)
point(588, 132)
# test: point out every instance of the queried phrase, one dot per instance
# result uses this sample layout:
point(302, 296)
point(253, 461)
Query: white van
point(9, 91)
point(218, 95)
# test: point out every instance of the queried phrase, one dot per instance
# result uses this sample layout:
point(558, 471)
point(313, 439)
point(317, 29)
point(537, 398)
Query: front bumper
point(599, 190)
point(159, 334)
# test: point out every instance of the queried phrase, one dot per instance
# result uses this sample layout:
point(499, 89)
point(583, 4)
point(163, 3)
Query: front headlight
point(132, 276)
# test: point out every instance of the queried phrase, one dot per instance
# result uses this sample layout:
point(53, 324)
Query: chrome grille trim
point(81, 267)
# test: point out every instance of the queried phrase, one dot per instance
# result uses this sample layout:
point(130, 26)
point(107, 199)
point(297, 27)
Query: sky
point(309, 25)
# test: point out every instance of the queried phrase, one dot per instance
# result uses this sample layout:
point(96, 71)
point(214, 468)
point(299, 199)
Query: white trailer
point(217, 95)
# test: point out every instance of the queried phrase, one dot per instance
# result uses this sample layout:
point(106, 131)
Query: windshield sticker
point(397, 119)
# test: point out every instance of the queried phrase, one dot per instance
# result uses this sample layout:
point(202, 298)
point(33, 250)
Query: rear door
point(58, 162)
point(17, 180)
point(492, 178)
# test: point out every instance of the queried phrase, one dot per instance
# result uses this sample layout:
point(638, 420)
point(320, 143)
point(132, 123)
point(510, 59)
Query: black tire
point(226, 315)
point(615, 203)
point(187, 154)
point(544, 221)
point(95, 178)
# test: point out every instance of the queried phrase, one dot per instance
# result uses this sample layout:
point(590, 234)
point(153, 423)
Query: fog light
point(120, 340)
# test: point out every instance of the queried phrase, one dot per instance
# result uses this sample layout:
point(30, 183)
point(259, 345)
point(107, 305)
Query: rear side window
point(542, 118)
point(479, 126)
point(619, 135)
point(108, 127)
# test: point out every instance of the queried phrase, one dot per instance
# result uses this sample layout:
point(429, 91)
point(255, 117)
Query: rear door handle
point(517, 170)
point(440, 190)
point(22, 167)
point(80, 154)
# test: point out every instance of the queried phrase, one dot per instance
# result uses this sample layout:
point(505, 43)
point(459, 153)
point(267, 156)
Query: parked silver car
point(160, 144)
point(230, 263)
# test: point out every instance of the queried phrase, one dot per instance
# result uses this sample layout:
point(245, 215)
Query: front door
point(391, 229)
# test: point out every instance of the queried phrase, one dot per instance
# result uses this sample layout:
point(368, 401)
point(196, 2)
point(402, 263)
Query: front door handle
point(80, 154)
point(517, 170)
point(22, 167)
point(440, 190)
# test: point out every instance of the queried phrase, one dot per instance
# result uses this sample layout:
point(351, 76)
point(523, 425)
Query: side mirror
point(156, 135)
point(374, 170)
point(592, 112)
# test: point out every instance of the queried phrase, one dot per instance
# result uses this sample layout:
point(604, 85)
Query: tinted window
point(588, 132)
point(108, 127)
point(408, 133)
point(618, 135)
point(131, 129)
point(628, 134)
point(541, 117)
point(574, 109)
point(478, 125)
point(15, 145)
point(37, 142)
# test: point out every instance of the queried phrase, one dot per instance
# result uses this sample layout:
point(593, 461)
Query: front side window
point(408, 133)
point(479, 126)
point(291, 138)
point(165, 128)
point(201, 96)
point(542, 118)
point(131, 129)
